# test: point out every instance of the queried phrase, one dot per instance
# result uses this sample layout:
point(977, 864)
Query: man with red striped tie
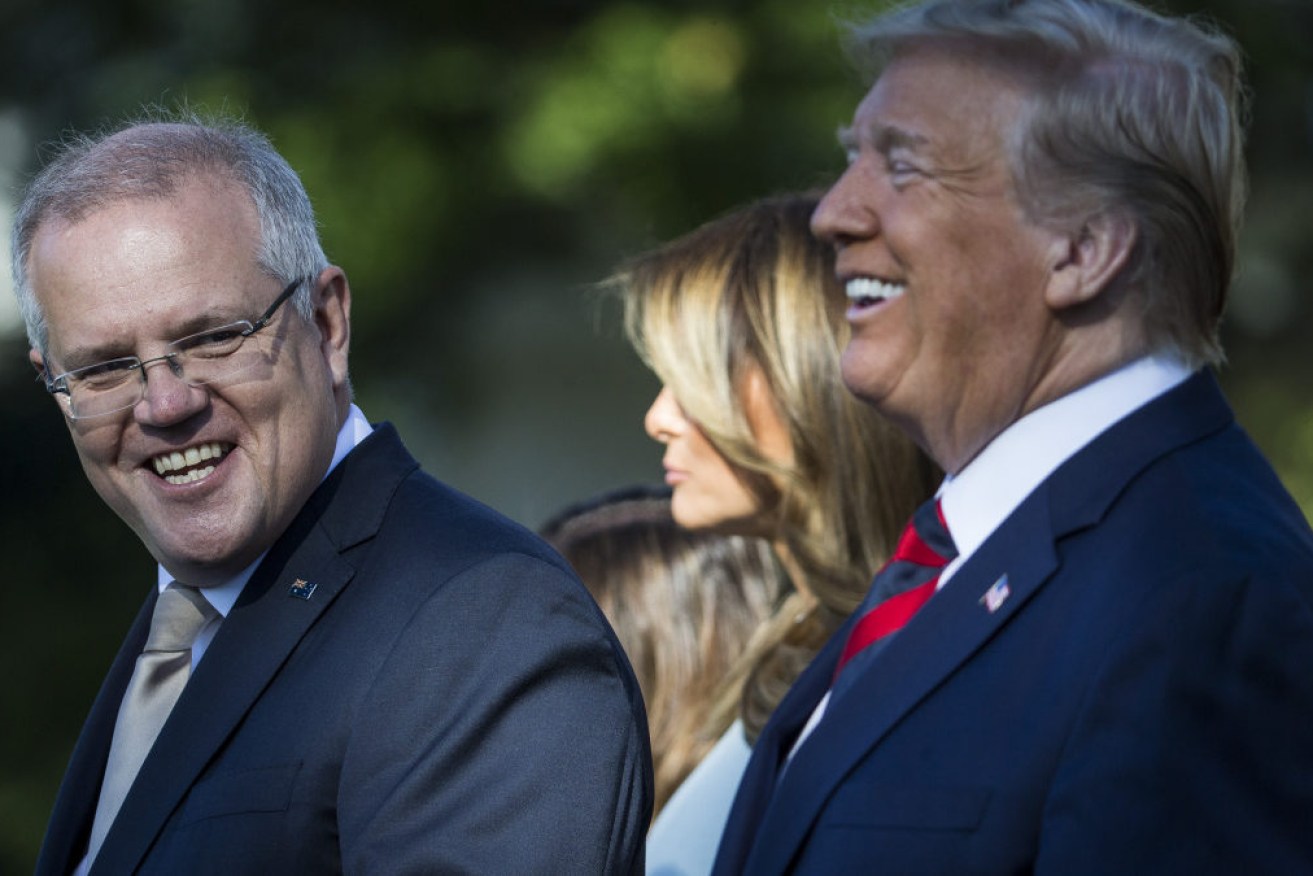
point(1091, 652)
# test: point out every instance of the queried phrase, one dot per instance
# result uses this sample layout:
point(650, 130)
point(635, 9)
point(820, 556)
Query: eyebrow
point(888, 138)
point(884, 138)
point(81, 357)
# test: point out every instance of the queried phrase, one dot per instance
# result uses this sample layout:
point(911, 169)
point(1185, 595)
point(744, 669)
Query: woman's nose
point(664, 418)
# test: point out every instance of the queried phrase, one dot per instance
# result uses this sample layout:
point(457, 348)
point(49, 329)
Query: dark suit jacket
point(447, 699)
point(1140, 702)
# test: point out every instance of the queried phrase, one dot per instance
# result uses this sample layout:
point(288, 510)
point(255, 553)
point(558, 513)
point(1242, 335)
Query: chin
point(695, 519)
point(684, 520)
point(219, 556)
point(858, 379)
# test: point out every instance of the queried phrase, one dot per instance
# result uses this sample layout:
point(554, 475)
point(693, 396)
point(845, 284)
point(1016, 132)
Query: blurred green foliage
point(477, 168)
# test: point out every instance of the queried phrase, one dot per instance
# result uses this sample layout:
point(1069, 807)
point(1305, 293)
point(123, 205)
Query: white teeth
point(178, 460)
point(869, 288)
point(194, 475)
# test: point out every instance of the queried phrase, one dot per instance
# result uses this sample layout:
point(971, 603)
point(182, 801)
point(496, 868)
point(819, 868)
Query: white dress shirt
point(979, 498)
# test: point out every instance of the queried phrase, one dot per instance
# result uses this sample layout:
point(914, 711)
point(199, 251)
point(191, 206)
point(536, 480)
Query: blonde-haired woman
point(743, 322)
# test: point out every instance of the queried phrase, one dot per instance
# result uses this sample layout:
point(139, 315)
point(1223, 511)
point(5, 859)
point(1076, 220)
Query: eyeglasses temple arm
point(273, 308)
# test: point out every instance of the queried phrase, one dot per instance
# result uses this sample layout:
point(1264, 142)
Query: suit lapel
point(255, 640)
point(75, 806)
point(951, 627)
point(269, 620)
point(769, 753)
point(1021, 557)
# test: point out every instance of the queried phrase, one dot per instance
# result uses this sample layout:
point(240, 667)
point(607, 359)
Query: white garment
point(684, 838)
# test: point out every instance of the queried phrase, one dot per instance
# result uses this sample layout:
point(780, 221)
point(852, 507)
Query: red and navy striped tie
point(905, 582)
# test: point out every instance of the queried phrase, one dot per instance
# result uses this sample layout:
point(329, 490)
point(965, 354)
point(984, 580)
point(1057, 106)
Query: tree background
point(478, 168)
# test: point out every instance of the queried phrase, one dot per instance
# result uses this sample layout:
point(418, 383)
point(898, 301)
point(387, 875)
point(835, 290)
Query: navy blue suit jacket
point(447, 699)
point(1140, 702)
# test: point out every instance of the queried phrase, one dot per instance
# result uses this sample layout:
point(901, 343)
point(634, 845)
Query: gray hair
point(149, 159)
point(1129, 112)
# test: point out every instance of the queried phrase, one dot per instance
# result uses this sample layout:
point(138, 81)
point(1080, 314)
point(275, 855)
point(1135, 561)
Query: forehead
point(148, 262)
point(946, 100)
point(203, 215)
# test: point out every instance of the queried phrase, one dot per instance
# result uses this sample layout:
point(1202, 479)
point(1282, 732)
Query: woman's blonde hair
point(754, 292)
point(683, 604)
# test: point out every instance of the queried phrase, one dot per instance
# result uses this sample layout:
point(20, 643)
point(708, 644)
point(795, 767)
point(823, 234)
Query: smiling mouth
point(191, 464)
point(868, 291)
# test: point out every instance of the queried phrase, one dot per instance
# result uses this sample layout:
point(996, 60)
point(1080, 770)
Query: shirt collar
point(979, 498)
point(223, 596)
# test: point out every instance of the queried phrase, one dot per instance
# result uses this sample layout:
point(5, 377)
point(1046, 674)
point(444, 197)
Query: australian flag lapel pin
point(301, 589)
point(997, 594)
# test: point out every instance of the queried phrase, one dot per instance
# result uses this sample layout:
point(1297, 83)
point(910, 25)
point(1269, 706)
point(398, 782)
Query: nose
point(665, 418)
point(166, 398)
point(847, 211)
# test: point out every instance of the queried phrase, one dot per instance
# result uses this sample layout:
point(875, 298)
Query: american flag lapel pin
point(301, 589)
point(997, 594)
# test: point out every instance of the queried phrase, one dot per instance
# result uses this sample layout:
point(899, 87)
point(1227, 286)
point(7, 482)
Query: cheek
point(294, 427)
point(717, 500)
point(768, 428)
point(117, 489)
point(1006, 309)
point(287, 407)
point(97, 447)
point(876, 358)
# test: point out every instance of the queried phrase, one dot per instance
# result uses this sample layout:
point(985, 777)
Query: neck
point(1081, 359)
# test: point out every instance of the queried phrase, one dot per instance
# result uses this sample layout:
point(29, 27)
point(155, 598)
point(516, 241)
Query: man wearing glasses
point(344, 666)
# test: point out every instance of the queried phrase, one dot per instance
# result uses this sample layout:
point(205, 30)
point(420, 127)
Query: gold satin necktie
point(157, 682)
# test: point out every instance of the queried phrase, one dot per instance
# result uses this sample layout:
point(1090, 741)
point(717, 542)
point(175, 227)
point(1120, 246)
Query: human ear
point(1088, 262)
point(332, 313)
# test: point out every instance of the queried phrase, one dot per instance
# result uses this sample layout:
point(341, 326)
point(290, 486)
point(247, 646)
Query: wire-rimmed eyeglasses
point(205, 357)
